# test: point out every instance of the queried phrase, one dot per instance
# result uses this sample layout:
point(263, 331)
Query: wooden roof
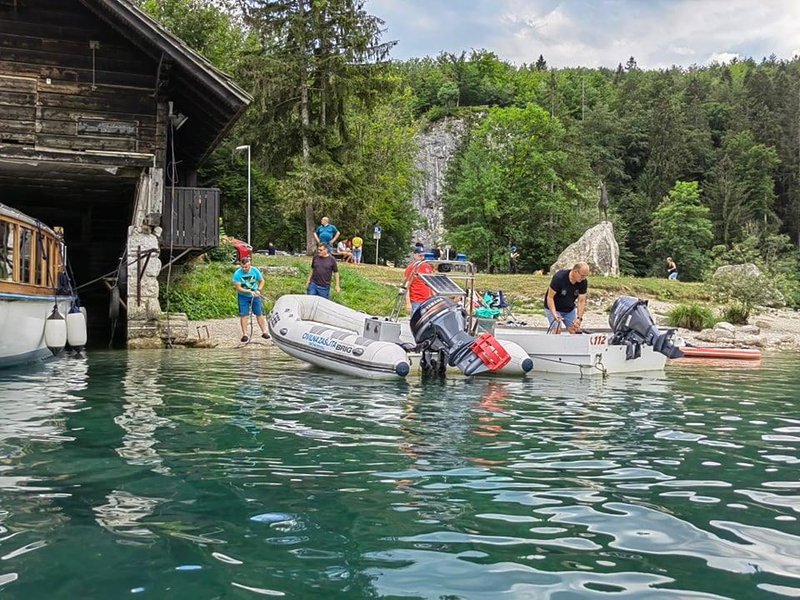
point(207, 96)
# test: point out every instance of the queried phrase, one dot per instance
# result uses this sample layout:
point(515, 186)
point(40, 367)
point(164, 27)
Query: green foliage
point(510, 177)
point(735, 313)
point(205, 291)
point(691, 316)
point(223, 253)
point(746, 291)
point(682, 229)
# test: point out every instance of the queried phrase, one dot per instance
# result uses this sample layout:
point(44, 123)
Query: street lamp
point(239, 149)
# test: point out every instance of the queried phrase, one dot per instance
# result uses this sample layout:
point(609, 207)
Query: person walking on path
point(567, 287)
point(249, 282)
point(358, 247)
point(323, 269)
point(672, 269)
point(327, 234)
point(416, 290)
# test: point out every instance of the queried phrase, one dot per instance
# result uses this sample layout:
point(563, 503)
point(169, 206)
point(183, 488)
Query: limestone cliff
point(437, 146)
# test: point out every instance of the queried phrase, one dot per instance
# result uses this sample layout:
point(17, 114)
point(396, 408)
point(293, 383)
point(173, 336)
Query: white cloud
point(722, 58)
point(595, 33)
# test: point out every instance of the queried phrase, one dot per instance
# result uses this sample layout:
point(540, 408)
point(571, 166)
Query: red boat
point(727, 353)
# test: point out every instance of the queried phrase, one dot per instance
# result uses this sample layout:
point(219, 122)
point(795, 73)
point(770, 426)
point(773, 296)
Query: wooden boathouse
point(105, 118)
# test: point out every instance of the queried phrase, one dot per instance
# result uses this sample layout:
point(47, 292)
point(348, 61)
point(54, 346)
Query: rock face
point(437, 146)
point(598, 247)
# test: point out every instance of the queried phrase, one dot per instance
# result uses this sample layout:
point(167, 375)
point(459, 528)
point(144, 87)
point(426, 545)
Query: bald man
point(568, 287)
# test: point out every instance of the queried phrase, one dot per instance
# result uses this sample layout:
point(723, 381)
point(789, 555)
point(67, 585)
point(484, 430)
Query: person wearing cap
point(567, 287)
point(249, 282)
point(416, 289)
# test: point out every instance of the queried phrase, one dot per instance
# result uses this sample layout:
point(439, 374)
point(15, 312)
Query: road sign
point(377, 233)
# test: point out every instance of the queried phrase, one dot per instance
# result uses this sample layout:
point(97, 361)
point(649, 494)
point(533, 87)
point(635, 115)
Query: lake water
point(244, 474)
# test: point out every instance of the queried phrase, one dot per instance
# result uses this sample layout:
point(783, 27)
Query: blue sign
point(377, 234)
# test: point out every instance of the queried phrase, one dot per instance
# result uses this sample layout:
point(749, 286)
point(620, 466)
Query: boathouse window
point(7, 235)
point(25, 255)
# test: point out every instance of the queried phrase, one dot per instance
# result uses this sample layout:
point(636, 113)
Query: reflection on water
point(247, 474)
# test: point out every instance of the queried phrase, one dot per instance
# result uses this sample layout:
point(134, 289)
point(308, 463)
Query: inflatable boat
point(329, 335)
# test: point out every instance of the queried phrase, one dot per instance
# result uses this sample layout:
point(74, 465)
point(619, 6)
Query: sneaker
point(244, 338)
point(265, 335)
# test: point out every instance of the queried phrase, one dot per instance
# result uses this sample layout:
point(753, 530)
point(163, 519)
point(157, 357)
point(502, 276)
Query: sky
point(594, 33)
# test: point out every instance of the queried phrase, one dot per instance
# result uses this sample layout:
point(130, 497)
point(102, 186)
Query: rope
point(174, 175)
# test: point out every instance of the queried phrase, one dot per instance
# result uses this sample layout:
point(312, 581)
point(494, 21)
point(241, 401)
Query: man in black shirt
point(323, 269)
point(567, 287)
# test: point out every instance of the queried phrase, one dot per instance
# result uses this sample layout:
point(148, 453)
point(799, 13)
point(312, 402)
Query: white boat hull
point(22, 320)
point(579, 354)
point(329, 335)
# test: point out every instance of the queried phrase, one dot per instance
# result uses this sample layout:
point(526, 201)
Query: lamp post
point(239, 149)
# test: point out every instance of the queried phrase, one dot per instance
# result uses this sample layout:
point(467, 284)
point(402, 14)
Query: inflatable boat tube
point(329, 335)
point(728, 353)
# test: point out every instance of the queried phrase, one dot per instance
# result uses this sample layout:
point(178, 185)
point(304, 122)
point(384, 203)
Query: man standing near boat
point(568, 287)
point(249, 282)
point(323, 269)
point(416, 289)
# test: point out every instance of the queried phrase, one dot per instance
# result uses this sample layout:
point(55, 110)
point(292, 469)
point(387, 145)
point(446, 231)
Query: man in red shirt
point(416, 289)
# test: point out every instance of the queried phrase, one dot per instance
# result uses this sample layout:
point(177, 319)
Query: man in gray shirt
point(323, 268)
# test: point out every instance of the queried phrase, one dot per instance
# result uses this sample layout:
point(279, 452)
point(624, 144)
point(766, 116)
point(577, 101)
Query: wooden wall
point(56, 91)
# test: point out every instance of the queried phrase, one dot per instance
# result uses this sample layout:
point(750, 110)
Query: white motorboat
point(633, 344)
point(329, 335)
point(580, 353)
point(38, 310)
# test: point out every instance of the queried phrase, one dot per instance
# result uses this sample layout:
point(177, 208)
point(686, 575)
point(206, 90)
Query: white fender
point(55, 331)
point(76, 329)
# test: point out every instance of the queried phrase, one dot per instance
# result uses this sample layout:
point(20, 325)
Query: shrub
point(735, 313)
point(747, 291)
point(222, 253)
point(691, 316)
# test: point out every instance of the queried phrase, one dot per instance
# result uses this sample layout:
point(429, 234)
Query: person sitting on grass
point(249, 282)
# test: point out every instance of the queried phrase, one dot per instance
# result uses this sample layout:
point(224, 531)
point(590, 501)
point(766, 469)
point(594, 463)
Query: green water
point(244, 474)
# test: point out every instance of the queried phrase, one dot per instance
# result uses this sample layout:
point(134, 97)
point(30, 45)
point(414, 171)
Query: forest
point(701, 163)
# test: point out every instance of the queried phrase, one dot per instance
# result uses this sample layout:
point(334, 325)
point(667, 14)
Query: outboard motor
point(633, 326)
point(438, 326)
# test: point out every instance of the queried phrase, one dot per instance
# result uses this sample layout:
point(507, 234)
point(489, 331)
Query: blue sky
point(658, 33)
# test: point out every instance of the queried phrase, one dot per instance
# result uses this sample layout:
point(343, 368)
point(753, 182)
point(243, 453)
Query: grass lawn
point(205, 291)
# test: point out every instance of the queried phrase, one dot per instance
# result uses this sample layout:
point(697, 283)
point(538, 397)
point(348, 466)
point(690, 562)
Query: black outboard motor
point(438, 326)
point(633, 326)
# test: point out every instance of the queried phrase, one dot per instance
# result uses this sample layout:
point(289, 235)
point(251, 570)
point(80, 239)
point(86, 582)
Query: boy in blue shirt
point(249, 281)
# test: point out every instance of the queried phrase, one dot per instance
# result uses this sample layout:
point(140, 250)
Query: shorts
point(246, 302)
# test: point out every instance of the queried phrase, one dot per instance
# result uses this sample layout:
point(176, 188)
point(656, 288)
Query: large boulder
point(737, 271)
point(597, 247)
point(745, 282)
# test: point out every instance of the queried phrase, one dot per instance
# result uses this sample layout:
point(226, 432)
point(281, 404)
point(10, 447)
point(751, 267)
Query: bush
point(222, 253)
point(691, 316)
point(747, 291)
point(735, 313)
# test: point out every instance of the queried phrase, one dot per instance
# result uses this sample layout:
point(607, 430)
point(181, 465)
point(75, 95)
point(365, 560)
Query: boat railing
point(451, 278)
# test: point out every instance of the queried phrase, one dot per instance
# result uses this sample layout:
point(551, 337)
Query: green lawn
point(204, 291)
